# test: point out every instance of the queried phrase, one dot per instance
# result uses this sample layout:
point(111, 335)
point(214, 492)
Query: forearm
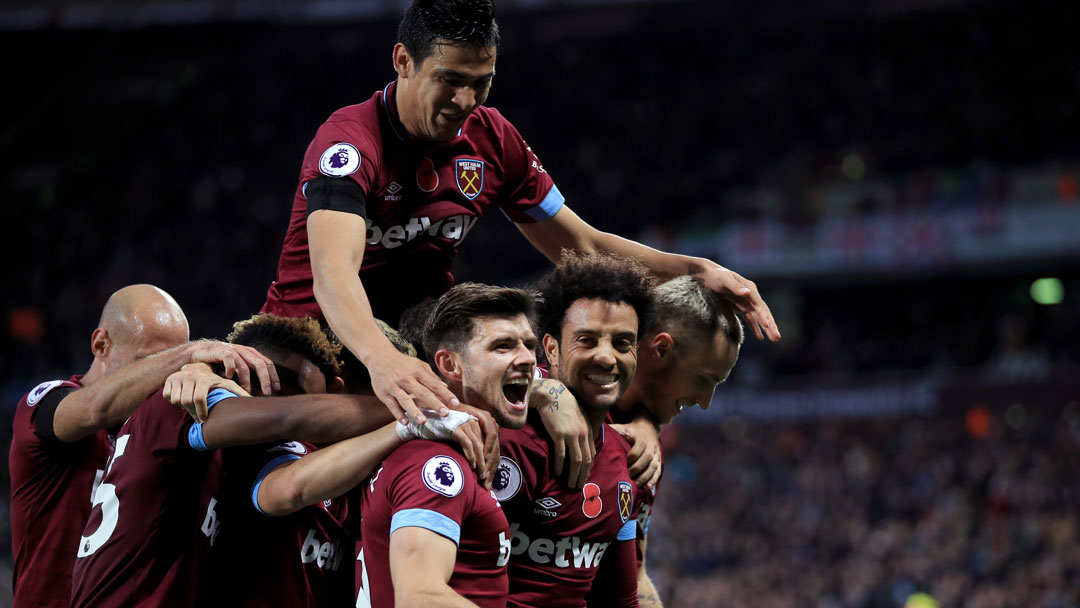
point(326, 473)
point(663, 264)
point(344, 302)
point(113, 397)
point(647, 595)
point(312, 418)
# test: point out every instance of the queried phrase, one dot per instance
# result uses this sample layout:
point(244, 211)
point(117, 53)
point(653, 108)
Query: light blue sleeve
point(429, 520)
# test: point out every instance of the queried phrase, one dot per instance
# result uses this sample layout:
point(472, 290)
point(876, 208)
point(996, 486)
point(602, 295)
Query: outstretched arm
point(324, 418)
point(403, 383)
point(334, 470)
point(421, 563)
point(110, 400)
point(568, 231)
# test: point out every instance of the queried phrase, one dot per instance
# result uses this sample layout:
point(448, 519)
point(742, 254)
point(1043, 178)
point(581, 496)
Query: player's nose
point(465, 98)
point(524, 356)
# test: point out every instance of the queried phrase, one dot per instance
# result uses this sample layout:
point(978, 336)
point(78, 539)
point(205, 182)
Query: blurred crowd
point(975, 512)
point(169, 155)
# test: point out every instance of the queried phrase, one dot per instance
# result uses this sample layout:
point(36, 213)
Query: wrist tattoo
point(555, 391)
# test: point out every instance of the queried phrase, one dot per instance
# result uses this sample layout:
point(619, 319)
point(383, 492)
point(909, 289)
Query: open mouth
point(602, 379)
point(515, 390)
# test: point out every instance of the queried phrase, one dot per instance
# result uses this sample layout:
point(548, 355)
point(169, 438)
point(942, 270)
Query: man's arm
point(326, 473)
point(568, 231)
point(567, 427)
point(421, 563)
point(313, 418)
point(110, 400)
point(336, 241)
point(644, 460)
point(646, 591)
point(334, 470)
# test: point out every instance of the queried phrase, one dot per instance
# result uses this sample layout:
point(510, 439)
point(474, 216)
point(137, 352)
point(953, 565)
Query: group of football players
point(321, 457)
point(200, 494)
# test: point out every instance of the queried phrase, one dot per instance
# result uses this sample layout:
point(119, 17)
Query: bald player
point(60, 442)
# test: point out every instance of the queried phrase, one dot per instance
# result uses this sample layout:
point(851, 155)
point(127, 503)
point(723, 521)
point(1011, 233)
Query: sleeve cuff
point(270, 466)
point(429, 520)
point(549, 206)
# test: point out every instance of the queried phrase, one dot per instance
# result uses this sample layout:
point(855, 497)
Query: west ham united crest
point(626, 500)
point(470, 177)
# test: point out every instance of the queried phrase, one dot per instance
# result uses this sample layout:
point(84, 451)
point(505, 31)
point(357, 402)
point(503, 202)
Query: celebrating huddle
point(316, 497)
point(435, 465)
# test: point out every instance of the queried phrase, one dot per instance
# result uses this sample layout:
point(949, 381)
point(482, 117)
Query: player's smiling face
point(497, 368)
point(597, 353)
point(675, 378)
point(434, 99)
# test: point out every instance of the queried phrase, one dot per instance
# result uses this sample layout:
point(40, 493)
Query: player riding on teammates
point(390, 187)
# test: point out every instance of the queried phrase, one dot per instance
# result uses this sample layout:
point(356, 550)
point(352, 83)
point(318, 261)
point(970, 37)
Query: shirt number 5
point(110, 506)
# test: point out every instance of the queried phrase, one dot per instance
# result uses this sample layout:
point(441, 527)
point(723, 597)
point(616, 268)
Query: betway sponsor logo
point(566, 552)
point(325, 554)
point(454, 227)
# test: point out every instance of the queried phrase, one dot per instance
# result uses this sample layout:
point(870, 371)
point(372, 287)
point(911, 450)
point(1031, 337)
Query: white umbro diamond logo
point(548, 503)
point(393, 188)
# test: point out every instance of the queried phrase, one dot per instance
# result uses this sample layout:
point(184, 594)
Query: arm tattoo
point(649, 599)
point(555, 391)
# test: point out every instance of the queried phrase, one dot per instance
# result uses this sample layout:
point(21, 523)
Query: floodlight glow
point(1048, 291)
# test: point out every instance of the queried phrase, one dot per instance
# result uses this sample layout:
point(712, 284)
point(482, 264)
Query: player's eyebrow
point(457, 74)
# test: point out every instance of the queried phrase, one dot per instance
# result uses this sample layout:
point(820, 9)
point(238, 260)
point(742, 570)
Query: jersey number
point(363, 599)
point(504, 550)
point(110, 506)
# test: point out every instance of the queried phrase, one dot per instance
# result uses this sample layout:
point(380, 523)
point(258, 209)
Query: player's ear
point(551, 349)
point(100, 343)
point(402, 61)
point(448, 365)
point(336, 385)
point(663, 344)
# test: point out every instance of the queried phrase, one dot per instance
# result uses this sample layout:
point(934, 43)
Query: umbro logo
point(548, 502)
point(547, 506)
point(392, 192)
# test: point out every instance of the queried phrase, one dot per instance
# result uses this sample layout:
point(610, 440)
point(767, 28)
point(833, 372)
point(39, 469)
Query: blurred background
point(900, 177)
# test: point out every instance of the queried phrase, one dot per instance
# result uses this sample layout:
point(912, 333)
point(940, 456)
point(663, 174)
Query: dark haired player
point(431, 534)
point(593, 311)
point(156, 511)
point(60, 442)
point(412, 169)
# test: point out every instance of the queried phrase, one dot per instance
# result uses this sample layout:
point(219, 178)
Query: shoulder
point(423, 466)
point(618, 441)
point(42, 390)
point(488, 123)
point(421, 454)
point(360, 117)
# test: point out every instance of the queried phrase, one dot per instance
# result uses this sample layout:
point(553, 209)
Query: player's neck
point(632, 397)
point(92, 375)
point(405, 110)
point(595, 418)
